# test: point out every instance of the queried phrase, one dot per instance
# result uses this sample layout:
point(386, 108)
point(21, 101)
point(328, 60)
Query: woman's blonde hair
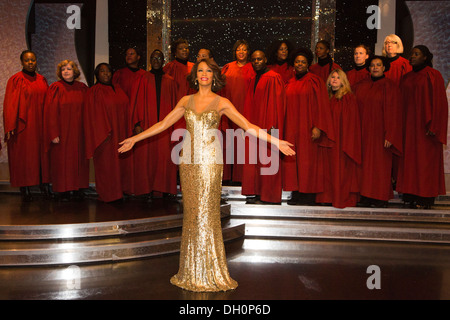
point(396, 39)
point(345, 84)
point(76, 71)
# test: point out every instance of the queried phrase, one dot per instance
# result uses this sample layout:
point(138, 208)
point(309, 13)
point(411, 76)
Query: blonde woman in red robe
point(399, 66)
point(341, 187)
point(63, 133)
point(421, 171)
point(22, 115)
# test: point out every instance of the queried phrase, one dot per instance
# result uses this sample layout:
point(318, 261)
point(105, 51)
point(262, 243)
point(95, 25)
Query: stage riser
point(80, 254)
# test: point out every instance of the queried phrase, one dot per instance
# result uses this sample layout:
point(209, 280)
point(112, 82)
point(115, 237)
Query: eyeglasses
point(389, 42)
point(156, 58)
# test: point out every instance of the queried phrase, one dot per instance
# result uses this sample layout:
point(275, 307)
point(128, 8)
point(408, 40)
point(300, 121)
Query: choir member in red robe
point(22, 115)
point(380, 110)
point(341, 175)
point(421, 172)
point(105, 114)
point(238, 76)
point(399, 66)
point(126, 77)
point(179, 69)
point(277, 59)
point(154, 98)
point(64, 134)
point(325, 63)
point(265, 105)
point(360, 55)
point(309, 126)
point(205, 53)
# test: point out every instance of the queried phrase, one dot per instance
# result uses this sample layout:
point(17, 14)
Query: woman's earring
point(214, 82)
point(196, 82)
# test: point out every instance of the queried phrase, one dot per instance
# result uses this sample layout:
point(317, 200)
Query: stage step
point(360, 224)
point(95, 242)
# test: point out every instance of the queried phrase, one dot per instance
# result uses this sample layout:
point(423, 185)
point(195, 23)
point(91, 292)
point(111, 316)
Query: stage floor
point(266, 267)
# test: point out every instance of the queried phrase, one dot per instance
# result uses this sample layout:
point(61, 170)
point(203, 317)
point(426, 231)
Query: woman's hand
point(127, 145)
point(285, 148)
point(56, 140)
point(387, 144)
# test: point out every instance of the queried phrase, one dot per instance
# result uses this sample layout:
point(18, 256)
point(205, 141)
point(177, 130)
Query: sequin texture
point(203, 266)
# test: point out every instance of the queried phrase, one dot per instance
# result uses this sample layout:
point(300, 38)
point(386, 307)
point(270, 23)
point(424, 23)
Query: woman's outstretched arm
point(229, 110)
point(158, 127)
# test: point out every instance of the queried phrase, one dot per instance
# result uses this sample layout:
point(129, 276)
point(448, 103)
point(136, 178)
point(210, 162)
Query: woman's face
point(376, 68)
point(360, 56)
point(104, 75)
point(182, 51)
point(242, 53)
point(390, 46)
point(417, 57)
point(205, 74)
point(67, 73)
point(300, 64)
point(335, 81)
point(321, 51)
point(29, 62)
point(283, 52)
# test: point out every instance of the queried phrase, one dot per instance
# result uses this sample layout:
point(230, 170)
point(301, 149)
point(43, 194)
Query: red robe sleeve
point(96, 124)
point(436, 112)
point(14, 117)
point(393, 116)
point(51, 115)
point(351, 127)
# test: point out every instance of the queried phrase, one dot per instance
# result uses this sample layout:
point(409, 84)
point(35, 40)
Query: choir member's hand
point(8, 135)
point(138, 129)
point(315, 133)
point(285, 148)
point(387, 144)
point(127, 145)
point(56, 140)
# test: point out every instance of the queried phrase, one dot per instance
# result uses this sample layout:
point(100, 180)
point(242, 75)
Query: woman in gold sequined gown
point(203, 266)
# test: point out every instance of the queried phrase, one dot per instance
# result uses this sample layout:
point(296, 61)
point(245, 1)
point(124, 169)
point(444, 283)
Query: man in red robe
point(126, 78)
point(265, 106)
point(105, 114)
point(381, 132)
point(421, 171)
point(23, 118)
point(154, 99)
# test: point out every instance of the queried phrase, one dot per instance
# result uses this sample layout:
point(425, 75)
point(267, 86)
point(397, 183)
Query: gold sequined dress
point(203, 266)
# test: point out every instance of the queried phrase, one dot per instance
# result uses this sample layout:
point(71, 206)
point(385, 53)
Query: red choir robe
point(63, 118)
point(341, 175)
point(23, 114)
point(237, 83)
point(356, 75)
point(265, 107)
point(105, 113)
point(126, 78)
point(154, 168)
point(398, 68)
point(421, 170)
point(285, 70)
point(380, 110)
point(323, 71)
point(307, 106)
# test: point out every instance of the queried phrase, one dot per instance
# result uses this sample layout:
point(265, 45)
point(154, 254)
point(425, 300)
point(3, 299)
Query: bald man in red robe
point(23, 118)
point(154, 99)
point(265, 106)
